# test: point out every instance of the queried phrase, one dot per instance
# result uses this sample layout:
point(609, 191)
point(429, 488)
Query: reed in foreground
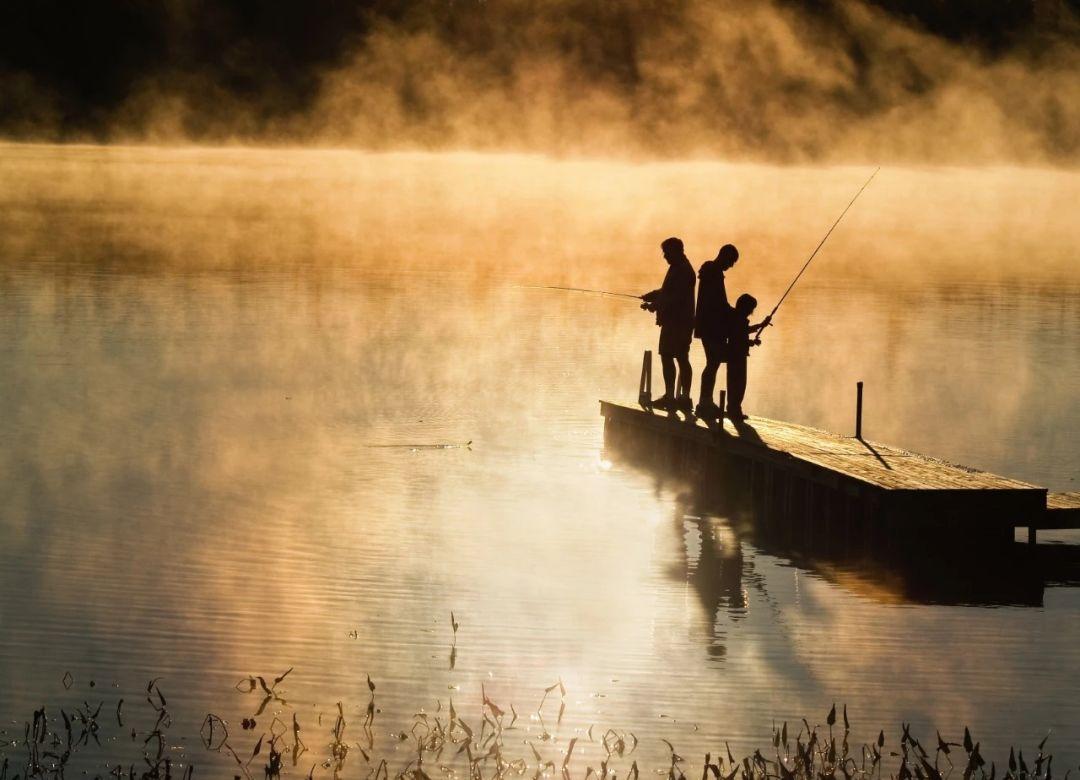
point(492, 746)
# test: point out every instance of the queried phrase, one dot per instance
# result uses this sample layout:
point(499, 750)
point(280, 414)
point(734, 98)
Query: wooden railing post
point(858, 410)
point(644, 395)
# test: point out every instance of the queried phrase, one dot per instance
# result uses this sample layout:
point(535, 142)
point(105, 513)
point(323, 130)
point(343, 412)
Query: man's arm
point(657, 298)
point(652, 300)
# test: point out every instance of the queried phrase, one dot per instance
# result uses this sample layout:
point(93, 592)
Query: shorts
point(675, 340)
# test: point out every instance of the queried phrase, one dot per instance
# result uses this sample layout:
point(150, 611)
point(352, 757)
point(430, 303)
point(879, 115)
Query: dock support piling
point(723, 402)
point(858, 410)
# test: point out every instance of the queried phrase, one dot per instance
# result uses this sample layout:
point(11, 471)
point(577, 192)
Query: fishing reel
point(765, 323)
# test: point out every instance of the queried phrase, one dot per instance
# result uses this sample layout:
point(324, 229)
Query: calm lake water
point(207, 355)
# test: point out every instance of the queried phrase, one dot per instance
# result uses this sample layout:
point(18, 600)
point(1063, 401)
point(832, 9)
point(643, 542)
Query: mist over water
point(205, 350)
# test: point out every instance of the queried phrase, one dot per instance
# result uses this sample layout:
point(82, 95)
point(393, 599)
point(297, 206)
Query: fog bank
point(833, 80)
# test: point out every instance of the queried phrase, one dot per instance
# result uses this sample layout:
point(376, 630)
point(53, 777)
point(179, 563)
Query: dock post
point(858, 410)
point(644, 396)
point(723, 402)
point(1031, 534)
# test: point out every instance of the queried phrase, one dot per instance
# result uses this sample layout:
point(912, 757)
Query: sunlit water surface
point(205, 354)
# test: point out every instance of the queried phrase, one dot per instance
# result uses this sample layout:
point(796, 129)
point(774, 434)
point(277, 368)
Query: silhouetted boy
point(674, 307)
point(739, 341)
point(711, 324)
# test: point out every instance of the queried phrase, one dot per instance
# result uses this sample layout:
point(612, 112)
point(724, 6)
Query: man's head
point(727, 256)
point(672, 249)
point(746, 304)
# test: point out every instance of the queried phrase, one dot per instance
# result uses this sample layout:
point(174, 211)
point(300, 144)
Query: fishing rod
point(580, 290)
point(768, 320)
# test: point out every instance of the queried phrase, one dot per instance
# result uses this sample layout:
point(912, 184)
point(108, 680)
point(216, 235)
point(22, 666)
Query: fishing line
point(578, 289)
point(822, 243)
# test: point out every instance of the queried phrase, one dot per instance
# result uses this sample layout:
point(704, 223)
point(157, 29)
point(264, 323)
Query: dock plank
point(858, 490)
point(882, 466)
point(1063, 502)
point(1062, 511)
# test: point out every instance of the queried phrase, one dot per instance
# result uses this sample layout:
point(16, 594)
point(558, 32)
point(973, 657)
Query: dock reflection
point(724, 532)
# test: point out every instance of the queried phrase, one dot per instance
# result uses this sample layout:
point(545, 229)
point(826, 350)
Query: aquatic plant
point(445, 743)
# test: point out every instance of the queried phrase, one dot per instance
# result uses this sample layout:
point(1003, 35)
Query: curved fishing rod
point(820, 244)
point(580, 290)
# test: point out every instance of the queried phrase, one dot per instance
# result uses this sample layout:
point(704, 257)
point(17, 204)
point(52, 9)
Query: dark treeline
point(993, 25)
point(69, 66)
point(89, 70)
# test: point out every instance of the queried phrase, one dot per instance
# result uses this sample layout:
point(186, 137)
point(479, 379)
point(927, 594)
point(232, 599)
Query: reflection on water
point(204, 353)
point(718, 517)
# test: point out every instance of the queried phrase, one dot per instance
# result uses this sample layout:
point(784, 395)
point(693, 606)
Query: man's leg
point(667, 363)
point(686, 374)
point(708, 375)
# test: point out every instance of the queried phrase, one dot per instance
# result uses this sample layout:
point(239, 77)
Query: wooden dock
point(821, 483)
point(1062, 511)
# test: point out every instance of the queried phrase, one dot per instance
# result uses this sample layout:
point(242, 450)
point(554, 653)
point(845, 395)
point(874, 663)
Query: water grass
point(492, 746)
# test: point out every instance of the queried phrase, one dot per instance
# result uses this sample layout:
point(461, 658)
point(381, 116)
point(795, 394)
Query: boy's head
point(746, 304)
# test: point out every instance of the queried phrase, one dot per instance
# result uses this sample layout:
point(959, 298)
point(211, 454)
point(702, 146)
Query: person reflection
point(717, 577)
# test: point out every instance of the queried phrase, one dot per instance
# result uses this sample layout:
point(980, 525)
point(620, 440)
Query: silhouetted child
point(739, 341)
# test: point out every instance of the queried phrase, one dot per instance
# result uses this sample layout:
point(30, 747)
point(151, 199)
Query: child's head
point(746, 304)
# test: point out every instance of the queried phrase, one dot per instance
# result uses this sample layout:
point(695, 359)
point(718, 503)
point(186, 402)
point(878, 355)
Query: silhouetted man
point(711, 324)
point(674, 307)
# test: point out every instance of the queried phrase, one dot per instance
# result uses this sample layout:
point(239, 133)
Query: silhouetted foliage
point(68, 67)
